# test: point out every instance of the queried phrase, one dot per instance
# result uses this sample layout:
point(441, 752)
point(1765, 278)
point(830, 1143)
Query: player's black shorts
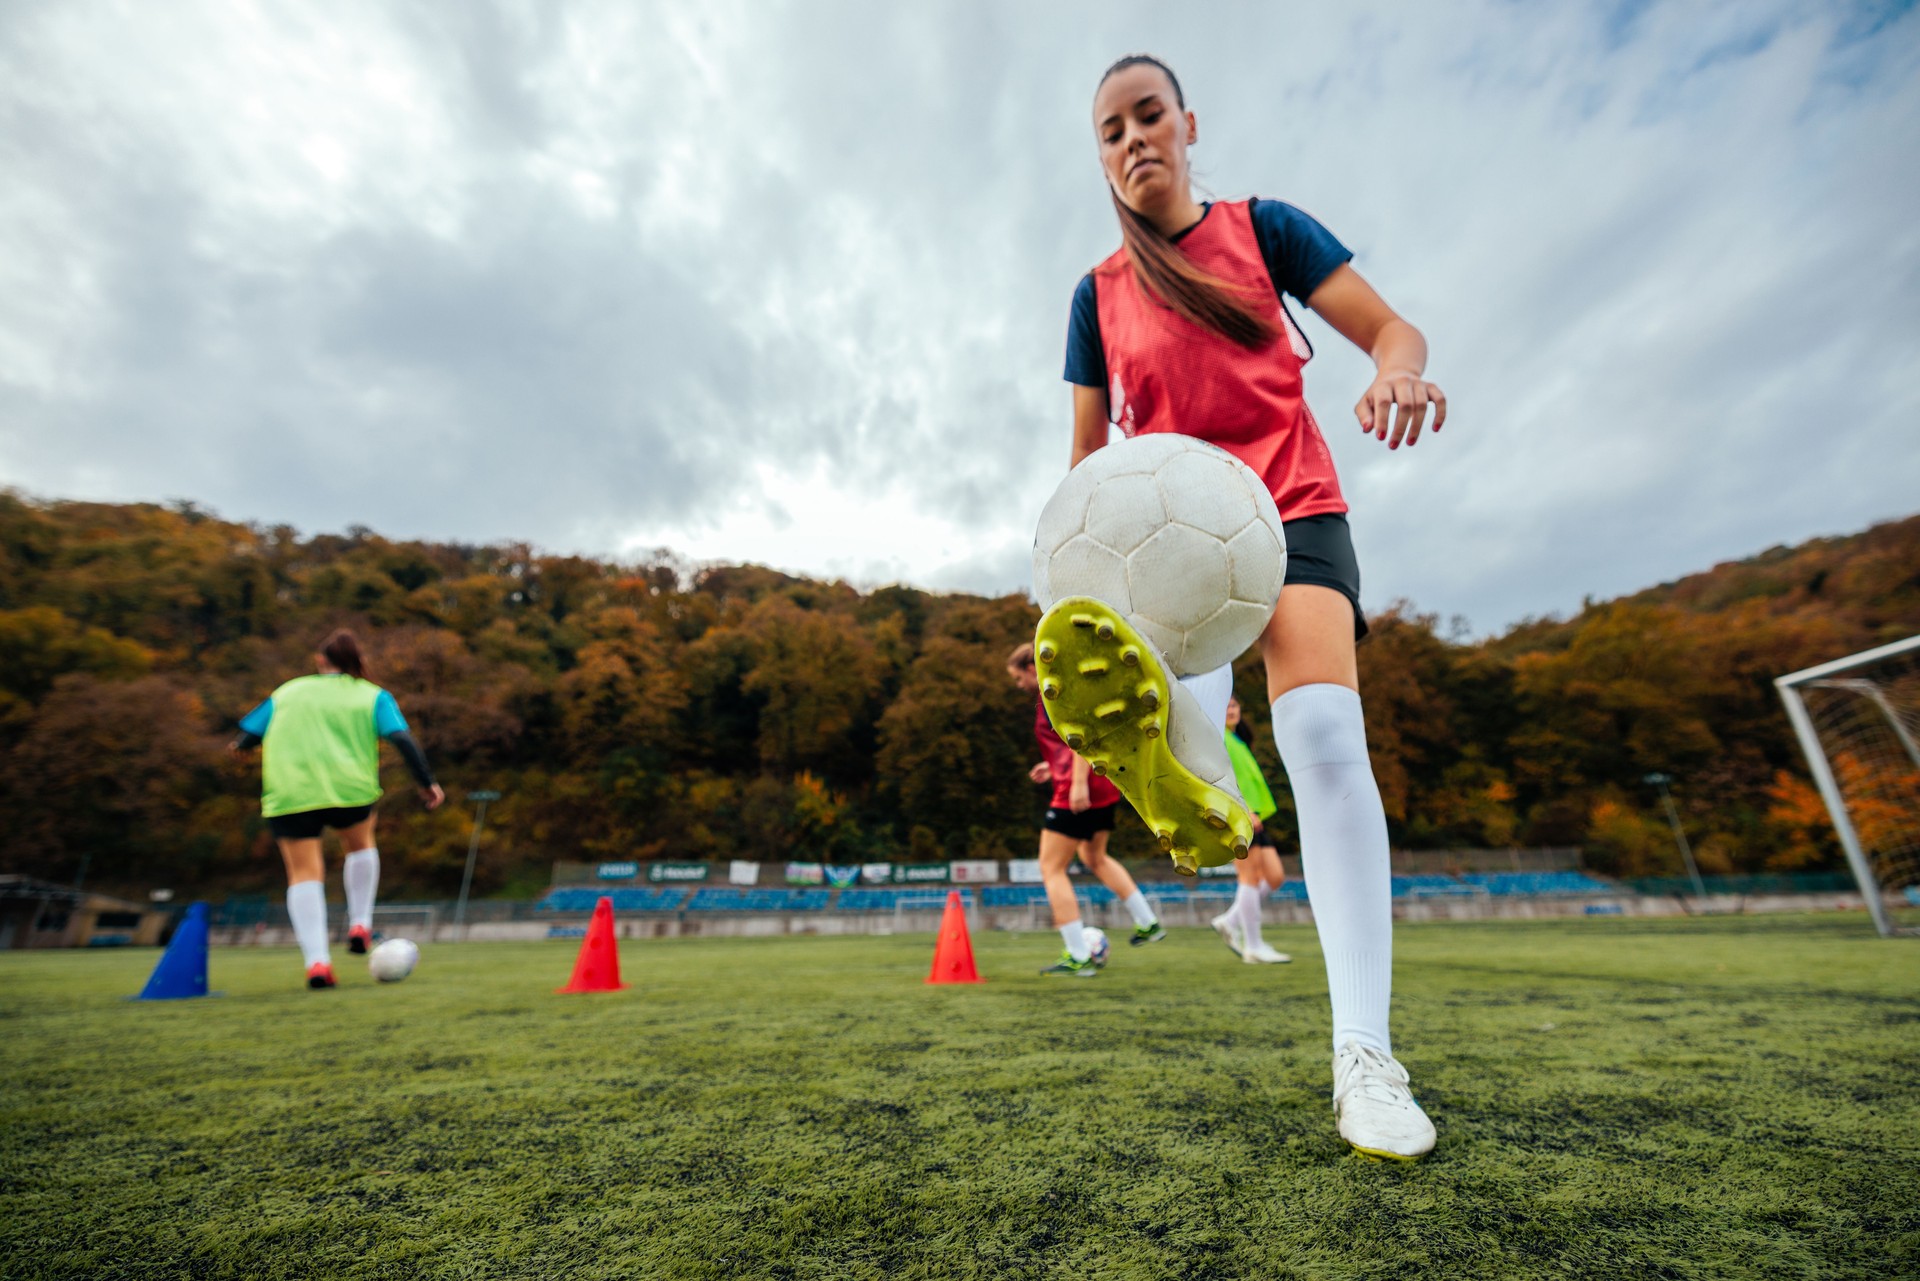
point(1265, 837)
point(1320, 551)
point(1082, 826)
point(308, 824)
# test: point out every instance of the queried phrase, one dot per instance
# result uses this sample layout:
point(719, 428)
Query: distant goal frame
point(1815, 752)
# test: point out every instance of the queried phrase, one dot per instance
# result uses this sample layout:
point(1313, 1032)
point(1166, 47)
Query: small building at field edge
point(36, 913)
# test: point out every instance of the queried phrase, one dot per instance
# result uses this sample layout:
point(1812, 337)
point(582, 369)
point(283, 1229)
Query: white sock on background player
point(307, 906)
point(1074, 935)
point(1246, 909)
point(1139, 909)
point(1343, 852)
point(362, 875)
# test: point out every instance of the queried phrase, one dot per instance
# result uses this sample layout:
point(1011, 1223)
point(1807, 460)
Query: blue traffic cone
point(182, 971)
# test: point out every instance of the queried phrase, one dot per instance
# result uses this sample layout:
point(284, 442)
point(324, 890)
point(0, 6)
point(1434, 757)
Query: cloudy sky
point(789, 283)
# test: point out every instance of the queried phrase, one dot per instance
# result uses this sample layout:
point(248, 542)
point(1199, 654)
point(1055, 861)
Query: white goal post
point(1858, 722)
point(405, 920)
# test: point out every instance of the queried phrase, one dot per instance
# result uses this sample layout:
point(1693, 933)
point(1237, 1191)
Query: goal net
point(404, 920)
point(1858, 721)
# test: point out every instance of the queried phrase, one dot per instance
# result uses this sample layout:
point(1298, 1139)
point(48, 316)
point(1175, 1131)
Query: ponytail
point(342, 649)
point(1168, 276)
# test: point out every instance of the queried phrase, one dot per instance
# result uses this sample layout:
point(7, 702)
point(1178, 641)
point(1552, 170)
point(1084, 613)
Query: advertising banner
point(805, 874)
point(841, 877)
point(974, 871)
point(743, 873)
point(679, 873)
point(875, 873)
point(1023, 871)
point(920, 874)
point(617, 871)
point(1225, 869)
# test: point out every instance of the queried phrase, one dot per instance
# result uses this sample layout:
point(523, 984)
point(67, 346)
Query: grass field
point(1714, 1098)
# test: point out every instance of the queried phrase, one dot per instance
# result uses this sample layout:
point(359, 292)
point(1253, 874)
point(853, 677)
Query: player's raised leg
point(1112, 699)
point(1314, 680)
point(1110, 873)
point(361, 873)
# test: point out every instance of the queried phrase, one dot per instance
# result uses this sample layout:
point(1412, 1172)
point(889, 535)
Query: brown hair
point(342, 649)
point(1167, 275)
point(1022, 656)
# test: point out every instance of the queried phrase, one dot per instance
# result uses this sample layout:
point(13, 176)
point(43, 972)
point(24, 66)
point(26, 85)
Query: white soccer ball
point(1097, 946)
point(393, 960)
point(1179, 535)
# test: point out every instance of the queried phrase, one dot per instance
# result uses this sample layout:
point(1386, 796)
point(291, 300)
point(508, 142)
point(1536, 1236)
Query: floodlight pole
point(1679, 834)
point(473, 850)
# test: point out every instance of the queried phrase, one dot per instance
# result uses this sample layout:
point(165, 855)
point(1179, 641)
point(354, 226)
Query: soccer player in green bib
point(320, 737)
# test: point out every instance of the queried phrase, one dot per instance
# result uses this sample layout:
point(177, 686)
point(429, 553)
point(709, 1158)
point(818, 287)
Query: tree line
point(660, 709)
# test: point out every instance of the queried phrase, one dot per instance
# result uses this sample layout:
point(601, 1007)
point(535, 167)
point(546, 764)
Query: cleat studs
point(1216, 820)
point(1164, 838)
point(1083, 620)
point(1185, 863)
point(1130, 656)
point(1100, 768)
point(1093, 667)
point(1104, 630)
point(1241, 847)
point(1048, 652)
point(1051, 689)
point(1111, 708)
point(1149, 697)
point(1076, 741)
point(1150, 727)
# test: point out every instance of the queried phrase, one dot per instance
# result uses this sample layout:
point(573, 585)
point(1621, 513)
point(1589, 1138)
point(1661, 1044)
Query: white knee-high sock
point(1074, 935)
point(1343, 851)
point(307, 905)
point(1246, 907)
point(1139, 909)
point(1213, 689)
point(362, 875)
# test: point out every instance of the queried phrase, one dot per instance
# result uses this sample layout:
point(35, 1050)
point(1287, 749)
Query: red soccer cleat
point(319, 975)
point(359, 940)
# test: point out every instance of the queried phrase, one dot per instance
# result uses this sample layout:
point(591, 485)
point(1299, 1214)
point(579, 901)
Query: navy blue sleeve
point(1300, 253)
point(1086, 359)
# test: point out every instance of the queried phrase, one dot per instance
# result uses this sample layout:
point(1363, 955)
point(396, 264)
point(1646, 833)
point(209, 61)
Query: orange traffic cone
point(953, 954)
point(597, 969)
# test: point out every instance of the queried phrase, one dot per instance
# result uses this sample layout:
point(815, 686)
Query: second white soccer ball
point(1179, 535)
point(1097, 945)
point(393, 960)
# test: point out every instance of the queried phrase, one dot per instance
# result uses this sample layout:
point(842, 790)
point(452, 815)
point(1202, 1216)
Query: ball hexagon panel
point(1231, 632)
point(1124, 512)
point(1205, 490)
point(1065, 513)
point(1083, 567)
point(1139, 455)
point(1178, 577)
point(1257, 558)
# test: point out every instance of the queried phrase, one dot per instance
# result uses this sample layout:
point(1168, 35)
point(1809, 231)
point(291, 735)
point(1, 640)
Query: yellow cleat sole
point(1109, 697)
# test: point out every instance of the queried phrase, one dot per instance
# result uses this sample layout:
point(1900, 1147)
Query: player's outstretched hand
point(1395, 408)
point(433, 796)
point(1041, 773)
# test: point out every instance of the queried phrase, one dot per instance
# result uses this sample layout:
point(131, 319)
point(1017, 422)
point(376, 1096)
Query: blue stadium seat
point(583, 898)
point(1536, 884)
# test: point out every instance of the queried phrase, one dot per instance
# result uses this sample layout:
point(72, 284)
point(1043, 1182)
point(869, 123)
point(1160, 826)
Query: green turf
point(1712, 1099)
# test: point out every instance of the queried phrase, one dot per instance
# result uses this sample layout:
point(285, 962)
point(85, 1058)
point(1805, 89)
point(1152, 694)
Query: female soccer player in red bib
point(1183, 329)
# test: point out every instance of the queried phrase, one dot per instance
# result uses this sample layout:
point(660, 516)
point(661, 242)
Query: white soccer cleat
point(1263, 954)
point(1375, 1109)
point(1227, 926)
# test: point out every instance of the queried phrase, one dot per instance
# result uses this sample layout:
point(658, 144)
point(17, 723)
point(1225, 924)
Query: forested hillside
point(630, 710)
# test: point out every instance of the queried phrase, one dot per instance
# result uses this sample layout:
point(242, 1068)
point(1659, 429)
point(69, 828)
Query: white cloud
point(789, 283)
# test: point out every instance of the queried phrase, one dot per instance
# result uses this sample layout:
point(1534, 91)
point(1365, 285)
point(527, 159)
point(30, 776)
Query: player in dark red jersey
point(1078, 821)
point(1185, 329)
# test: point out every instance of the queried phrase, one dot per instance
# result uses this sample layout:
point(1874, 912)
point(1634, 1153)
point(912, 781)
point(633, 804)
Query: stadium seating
point(732, 899)
point(920, 899)
point(1537, 884)
point(581, 898)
